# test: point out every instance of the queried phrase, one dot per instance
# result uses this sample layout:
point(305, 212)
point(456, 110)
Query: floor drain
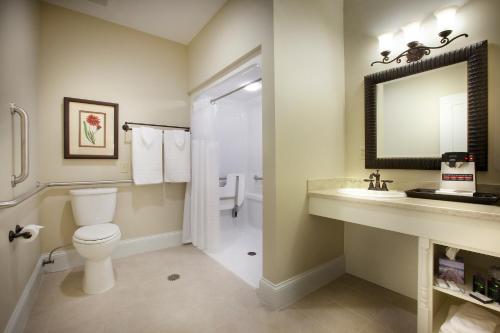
point(173, 277)
point(251, 253)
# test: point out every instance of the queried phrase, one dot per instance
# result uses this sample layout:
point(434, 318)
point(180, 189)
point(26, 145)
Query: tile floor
point(208, 298)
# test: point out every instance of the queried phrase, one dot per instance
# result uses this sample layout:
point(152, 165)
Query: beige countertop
point(483, 212)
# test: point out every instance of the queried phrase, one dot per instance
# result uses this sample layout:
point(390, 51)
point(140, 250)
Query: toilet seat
point(97, 233)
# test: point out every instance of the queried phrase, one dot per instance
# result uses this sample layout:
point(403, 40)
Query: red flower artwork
point(94, 121)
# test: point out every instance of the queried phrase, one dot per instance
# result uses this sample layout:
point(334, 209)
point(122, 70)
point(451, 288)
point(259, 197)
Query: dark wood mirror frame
point(476, 56)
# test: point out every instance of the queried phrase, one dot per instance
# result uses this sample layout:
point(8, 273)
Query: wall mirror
point(416, 112)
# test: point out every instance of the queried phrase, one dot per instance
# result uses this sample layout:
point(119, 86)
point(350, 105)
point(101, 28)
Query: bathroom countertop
point(475, 211)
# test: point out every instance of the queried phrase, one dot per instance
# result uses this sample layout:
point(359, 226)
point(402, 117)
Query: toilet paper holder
point(18, 233)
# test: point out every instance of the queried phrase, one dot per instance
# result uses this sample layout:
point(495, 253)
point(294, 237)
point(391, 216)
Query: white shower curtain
point(201, 205)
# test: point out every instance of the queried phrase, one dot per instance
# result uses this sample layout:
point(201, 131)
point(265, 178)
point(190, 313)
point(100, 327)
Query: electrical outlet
point(124, 167)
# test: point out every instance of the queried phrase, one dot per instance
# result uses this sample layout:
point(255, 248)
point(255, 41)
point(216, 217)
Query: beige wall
point(384, 257)
point(239, 29)
point(476, 17)
point(19, 47)
point(309, 111)
point(85, 57)
point(18, 83)
point(17, 259)
point(309, 97)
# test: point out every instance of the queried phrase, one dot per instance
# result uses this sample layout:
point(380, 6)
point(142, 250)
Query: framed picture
point(90, 129)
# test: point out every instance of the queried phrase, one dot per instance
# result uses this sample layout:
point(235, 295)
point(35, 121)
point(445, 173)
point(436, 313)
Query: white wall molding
point(20, 315)
point(68, 258)
point(278, 296)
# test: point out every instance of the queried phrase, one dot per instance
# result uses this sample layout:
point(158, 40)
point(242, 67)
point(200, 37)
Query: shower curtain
point(201, 205)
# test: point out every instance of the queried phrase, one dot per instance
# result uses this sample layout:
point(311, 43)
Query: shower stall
point(236, 106)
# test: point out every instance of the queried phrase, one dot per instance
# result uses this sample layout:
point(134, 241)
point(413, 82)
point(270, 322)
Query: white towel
point(470, 318)
point(146, 156)
point(177, 154)
point(229, 191)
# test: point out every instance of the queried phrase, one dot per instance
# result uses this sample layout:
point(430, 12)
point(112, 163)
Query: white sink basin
point(360, 192)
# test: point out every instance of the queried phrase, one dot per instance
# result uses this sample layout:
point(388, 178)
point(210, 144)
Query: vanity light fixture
point(416, 50)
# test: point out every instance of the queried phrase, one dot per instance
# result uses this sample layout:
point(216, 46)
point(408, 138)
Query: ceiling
point(176, 20)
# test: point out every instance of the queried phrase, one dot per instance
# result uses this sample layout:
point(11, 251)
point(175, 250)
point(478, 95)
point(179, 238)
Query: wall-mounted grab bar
point(16, 201)
point(25, 153)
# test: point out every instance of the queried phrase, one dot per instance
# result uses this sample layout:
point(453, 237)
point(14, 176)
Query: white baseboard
point(20, 315)
point(68, 258)
point(278, 296)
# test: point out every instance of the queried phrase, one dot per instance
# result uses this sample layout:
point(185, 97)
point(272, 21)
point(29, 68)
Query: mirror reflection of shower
point(238, 101)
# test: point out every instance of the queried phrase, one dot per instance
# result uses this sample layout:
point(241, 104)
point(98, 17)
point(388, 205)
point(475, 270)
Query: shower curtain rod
point(233, 91)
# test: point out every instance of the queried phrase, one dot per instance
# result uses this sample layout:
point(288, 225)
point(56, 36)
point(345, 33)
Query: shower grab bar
point(255, 177)
point(236, 196)
point(25, 196)
point(25, 154)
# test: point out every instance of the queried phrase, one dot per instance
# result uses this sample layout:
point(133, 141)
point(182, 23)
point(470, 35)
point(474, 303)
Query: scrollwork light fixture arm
point(417, 51)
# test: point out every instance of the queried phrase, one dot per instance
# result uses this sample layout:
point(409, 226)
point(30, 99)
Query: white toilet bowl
point(94, 210)
point(96, 243)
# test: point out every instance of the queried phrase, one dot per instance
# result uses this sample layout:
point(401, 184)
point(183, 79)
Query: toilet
point(97, 237)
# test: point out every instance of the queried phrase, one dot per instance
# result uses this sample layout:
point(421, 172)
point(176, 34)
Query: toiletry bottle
point(479, 284)
point(493, 289)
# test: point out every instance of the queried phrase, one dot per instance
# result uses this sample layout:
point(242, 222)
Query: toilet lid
point(97, 232)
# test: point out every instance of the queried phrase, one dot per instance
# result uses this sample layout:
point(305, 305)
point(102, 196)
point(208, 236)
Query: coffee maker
point(458, 182)
point(458, 174)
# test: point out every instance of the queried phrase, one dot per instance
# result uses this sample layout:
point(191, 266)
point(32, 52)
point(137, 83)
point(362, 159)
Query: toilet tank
point(93, 205)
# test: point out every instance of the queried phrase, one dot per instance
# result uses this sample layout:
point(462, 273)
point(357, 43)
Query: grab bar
point(236, 198)
point(25, 154)
point(16, 201)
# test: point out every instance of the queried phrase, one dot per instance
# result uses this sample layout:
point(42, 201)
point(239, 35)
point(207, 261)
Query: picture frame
point(90, 129)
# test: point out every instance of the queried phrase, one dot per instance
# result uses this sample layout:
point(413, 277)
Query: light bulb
point(446, 18)
point(412, 32)
point(385, 42)
point(253, 86)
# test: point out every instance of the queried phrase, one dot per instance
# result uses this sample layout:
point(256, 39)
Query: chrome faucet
point(376, 187)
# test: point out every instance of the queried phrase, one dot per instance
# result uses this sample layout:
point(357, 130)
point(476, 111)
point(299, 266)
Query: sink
point(360, 192)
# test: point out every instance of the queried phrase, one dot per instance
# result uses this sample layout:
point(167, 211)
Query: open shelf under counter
point(465, 296)
point(442, 313)
point(440, 317)
point(475, 263)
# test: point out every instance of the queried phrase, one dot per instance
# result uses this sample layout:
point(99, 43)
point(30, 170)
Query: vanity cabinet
point(473, 228)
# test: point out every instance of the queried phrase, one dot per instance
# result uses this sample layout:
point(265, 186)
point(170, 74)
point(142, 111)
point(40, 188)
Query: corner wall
point(309, 113)
point(303, 126)
point(243, 28)
point(19, 46)
point(89, 58)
